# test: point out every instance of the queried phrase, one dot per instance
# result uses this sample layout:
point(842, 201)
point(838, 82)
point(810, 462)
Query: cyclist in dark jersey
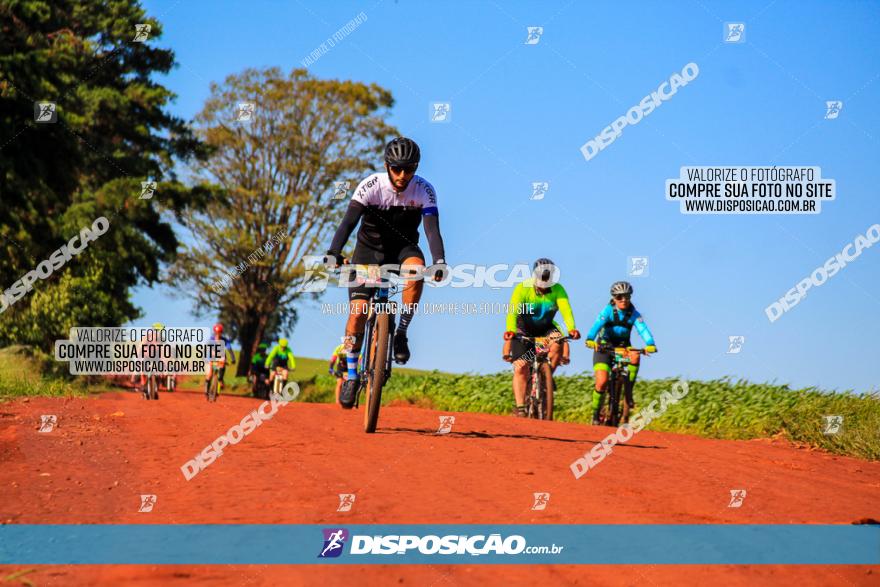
point(533, 305)
point(258, 369)
point(613, 327)
point(389, 206)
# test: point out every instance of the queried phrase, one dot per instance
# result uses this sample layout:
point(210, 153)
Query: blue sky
point(520, 114)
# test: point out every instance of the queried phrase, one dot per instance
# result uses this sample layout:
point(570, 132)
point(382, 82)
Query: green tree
point(112, 133)
point(277, 172)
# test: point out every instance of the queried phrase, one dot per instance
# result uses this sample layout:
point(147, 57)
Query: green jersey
point(284, 354)
point(531, 313)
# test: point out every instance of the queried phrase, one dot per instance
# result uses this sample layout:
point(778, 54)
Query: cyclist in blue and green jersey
point(613, 327)
point(533, 306)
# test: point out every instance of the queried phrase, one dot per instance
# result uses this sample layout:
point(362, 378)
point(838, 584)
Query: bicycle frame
point(380, 296)
point(618, 373)
point(540, 355)
point(277, 381)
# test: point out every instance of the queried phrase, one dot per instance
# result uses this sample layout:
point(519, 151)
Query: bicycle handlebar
point(535, 338)
point(610, 348)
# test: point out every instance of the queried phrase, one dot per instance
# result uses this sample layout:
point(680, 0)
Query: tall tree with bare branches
point(280, 145)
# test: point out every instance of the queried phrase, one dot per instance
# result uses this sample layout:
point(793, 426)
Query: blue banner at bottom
point(439, 544)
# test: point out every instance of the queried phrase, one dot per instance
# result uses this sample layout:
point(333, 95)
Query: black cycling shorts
point(279, 362)
point(367, 256)
point(520, 348)
point(607, 357)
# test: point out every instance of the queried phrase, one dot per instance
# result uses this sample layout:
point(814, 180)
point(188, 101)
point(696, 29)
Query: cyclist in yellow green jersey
point(338, 368)
point(533, 305)
point(281, 356)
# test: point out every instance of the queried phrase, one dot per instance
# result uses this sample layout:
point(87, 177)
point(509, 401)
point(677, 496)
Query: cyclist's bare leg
point(601, 379)
point(555, 355)
point(354, 328)
point(357, 319)
point(339, 381)
point(208, 372)
point(548, 374)
point(412, 291)
point(520, 381)
point(634, 358)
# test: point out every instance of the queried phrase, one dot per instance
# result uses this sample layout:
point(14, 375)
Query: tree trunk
point(250, 335)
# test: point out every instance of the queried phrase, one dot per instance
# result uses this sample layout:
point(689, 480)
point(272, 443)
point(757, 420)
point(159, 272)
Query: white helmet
point(621, 288)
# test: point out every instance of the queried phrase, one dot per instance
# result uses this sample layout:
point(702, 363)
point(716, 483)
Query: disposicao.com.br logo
point(335, 538)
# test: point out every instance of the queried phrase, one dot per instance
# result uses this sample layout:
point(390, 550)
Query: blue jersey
point(614, 326)
point(227, 343)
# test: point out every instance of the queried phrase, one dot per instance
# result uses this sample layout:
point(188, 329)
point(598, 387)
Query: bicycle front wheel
point(535, 395)
point(545, 376)
point(377, 370)
point(212, 388)
point(614, 399)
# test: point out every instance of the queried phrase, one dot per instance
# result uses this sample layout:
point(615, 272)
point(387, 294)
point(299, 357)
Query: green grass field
point(722, 408)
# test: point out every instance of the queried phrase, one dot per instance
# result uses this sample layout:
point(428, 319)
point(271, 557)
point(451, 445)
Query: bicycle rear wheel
point(377, 370)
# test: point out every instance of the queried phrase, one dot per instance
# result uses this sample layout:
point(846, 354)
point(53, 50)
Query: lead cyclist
point(389, 206)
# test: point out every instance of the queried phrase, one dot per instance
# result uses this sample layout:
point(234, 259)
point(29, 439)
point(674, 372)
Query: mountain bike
point(540, 379)
point(610, 413)
point(375, 368)
point(278, 382)
point(150, 388)
point(376, 358)
point(260, 388)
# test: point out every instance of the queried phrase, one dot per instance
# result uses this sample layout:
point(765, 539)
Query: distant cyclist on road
point(157, 326)
point(281, 356)
point(390, 206)
point(221, 363)
point(338, 368)
point(258, 370)
point(613, 327)
point(533, 305)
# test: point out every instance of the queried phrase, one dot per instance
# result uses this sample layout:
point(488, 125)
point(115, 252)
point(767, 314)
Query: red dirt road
point(108, 450)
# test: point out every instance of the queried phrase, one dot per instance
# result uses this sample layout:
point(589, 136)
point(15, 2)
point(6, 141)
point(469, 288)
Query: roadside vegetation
point(720, 408)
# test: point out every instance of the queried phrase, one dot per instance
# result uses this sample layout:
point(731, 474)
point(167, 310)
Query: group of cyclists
point(390, 206)
point(263, 370)
point(532, 311)
point(266, 367)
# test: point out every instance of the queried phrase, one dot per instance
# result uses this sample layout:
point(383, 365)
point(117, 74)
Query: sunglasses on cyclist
point(622, 297)
point(402, 168)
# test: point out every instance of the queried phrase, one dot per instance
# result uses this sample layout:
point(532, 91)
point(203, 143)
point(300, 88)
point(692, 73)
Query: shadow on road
point(476, 434)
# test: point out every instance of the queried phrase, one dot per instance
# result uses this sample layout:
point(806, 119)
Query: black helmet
point(543, 261)
point(543, 269)
point(402, 152)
